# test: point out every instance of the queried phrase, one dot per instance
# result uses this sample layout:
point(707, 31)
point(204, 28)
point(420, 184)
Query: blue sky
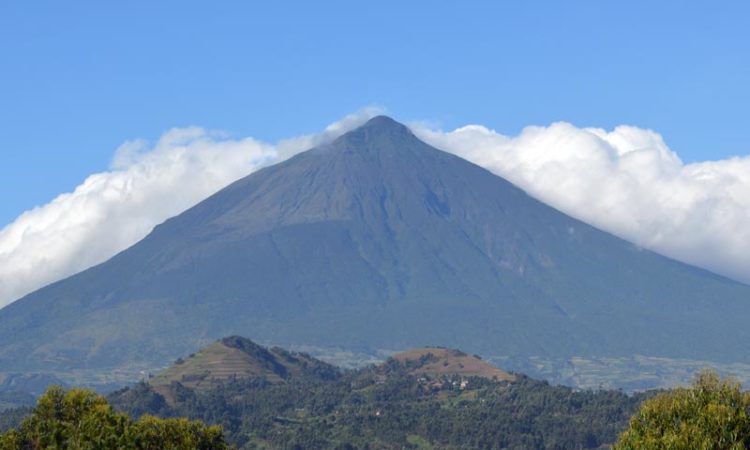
point(80, 78)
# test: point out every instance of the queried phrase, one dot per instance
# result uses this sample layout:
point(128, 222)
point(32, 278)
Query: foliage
point(81, 419)
point(388, 407)
point(710, 415)
point(141, 400)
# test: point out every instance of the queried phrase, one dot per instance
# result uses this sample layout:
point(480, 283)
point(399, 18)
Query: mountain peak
point(379, 133)
point(384, 123)
point(376, 240)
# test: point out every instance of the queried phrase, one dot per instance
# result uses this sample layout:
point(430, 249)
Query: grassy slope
point(213, 364)
point(443, 361)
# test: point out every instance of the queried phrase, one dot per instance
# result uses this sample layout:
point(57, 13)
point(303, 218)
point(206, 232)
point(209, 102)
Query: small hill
point(412, 400)
point(238, 358)
point(437, 362)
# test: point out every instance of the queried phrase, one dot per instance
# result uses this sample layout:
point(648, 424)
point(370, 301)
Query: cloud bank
point(146, 184)
point(626, 181)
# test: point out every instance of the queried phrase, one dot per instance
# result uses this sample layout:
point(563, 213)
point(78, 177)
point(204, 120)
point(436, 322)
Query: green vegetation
point(237, 357)
point(710, 415)
point(410, 401)
point(80, 419)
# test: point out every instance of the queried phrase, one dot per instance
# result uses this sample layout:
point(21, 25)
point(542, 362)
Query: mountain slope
point(237, 358)
point(376, 241)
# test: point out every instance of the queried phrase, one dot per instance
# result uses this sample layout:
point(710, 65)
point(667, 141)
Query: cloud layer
point(146, 184)
point(626, 181)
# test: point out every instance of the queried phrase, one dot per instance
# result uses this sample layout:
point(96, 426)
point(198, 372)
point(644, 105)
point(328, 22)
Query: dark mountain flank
point(377, 241)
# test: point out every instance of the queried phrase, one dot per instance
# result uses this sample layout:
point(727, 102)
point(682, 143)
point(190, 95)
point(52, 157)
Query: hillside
point(239, 358)
point(405, 402)
point(375, 242)
point(438, 362)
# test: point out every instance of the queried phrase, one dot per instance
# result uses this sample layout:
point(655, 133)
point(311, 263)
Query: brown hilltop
point(436, 362)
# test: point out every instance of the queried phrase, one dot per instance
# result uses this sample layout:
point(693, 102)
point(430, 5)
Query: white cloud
point(112, 210)
point(626, 181)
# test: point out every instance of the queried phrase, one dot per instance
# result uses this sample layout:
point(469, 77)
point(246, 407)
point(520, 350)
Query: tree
point(712, 414)
point(80, 419)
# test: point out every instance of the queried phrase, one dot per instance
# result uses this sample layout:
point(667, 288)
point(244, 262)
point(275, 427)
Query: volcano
point(376, 240)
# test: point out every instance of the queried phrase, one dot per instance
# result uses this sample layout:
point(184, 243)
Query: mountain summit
point(377, 241)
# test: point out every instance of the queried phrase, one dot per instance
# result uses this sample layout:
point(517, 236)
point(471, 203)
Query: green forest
point(79, 419)
point(400, 404)
point(387, 407)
